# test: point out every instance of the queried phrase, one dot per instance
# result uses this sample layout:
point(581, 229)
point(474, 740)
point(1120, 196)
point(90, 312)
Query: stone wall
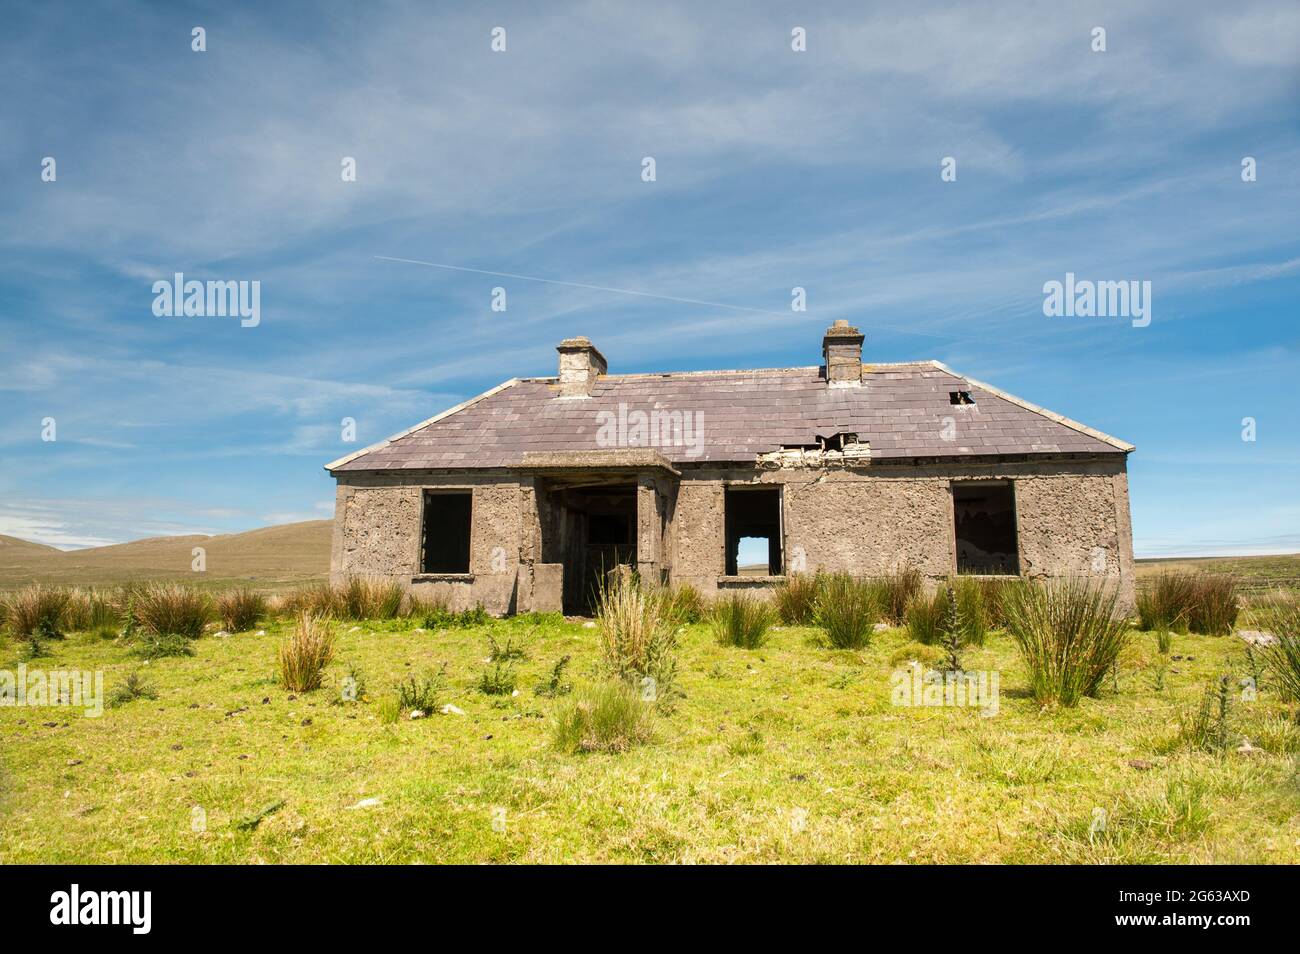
point(1072, 518)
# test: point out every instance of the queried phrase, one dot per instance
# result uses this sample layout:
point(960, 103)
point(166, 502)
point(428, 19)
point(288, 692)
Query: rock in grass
point(449, 709)
point(1141, 764)
point(249, 822)
point(367, 803)
point(1257, 637)
point(417, 713)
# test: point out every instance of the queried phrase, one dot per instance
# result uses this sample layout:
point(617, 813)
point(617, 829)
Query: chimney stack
point(580, 364)
point(842, 351)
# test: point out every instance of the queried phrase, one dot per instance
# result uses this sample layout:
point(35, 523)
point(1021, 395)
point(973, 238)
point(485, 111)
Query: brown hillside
point(289, 553)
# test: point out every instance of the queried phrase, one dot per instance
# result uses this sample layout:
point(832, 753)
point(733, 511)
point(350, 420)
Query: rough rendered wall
point(377, 532)
point(699, 548)
point(845, 523)
point(1072, 518)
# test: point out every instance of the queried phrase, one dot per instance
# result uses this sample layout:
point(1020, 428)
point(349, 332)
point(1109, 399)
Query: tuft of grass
point(91, 609)
point(553, 683)
point(928, 616)
point(1205, 603)
point(1217, 605)
point(418, 607)
point(1069, 634)
point(239, 609)
point(1281, 616)
point(972, 609)
point(507, 653)
point(847, 609)
point(925, 615)
point(37, 644)
point(1207, 728)
point(1164, 603)
point(796, 598)
point(441, 618)
point(608, 718)
point(134, 687)
point(741, 619)
point(371, 597)
point(32, 606)
point(498, 679)
point(638, 639)
point(318, 599)
point(152, 646)
point(165, 609)
point(898, 589)
point(684, 605)
point(423, 693)
point(305, 654)
point(995, 592)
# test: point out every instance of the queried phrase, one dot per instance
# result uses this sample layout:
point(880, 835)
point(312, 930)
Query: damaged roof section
point(900, 411)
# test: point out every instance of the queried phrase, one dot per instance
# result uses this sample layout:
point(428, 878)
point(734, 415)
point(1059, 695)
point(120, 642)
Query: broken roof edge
point(333, 465)
point(1061, 419)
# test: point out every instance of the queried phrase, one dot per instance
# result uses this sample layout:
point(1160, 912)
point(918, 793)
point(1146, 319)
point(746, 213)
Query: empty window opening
point(753, 529)
point(446, 532)
point(985, 517)
point(960, 397)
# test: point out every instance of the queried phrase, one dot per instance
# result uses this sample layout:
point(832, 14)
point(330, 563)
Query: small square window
point(960, 397)
point(753, 530)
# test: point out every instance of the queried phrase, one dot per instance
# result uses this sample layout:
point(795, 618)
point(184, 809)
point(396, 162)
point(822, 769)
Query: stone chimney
point(580, 364)
point(842, 352)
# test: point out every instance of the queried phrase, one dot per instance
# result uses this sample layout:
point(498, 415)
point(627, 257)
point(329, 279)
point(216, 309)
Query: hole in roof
point(838, 441)
point(960, 397)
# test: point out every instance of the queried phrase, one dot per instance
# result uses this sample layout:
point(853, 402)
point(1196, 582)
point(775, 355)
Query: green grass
point(749, 739)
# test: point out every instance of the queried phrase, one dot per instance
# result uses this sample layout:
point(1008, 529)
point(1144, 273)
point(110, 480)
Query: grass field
point(1258, 574)
point(791, 753)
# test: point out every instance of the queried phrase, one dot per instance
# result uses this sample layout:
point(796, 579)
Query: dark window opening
point(446, 532)
point(960, 397)
point(753, 529)
point(985, 516)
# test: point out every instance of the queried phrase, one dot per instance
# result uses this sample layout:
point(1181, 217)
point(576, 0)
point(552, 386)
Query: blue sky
point(775, 169)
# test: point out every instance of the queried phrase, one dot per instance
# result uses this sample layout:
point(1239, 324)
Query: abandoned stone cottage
point(519, 498)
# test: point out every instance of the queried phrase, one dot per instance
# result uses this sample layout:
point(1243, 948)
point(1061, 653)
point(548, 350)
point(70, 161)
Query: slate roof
point(900, 409)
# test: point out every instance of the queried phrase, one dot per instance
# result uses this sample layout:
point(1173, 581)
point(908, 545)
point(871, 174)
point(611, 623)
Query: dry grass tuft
point(305, 654)
point(239, 610)
point(166, 609)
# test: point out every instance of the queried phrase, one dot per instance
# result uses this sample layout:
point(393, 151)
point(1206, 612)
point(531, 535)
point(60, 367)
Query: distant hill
point(11, 548)
point(288, 553)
